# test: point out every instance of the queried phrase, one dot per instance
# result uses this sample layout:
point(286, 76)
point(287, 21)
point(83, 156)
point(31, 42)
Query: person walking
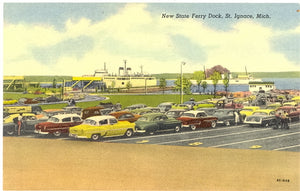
point(236, 117)
point(278, 120)
point(20, 117)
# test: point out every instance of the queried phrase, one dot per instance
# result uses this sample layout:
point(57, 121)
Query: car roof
point(195, 112)
point(119, 113)
point(60, 116)
point(101, 117)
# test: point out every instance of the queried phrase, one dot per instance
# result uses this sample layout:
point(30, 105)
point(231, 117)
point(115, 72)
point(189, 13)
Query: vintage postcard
point(155, 95)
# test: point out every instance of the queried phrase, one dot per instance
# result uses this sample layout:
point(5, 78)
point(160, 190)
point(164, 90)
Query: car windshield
point(188, 115)
point(143, 118)
point(260, 113)
point(171, 113)
point(247, 109)
point(220, 112)
point(90, 122)
point(53, 119)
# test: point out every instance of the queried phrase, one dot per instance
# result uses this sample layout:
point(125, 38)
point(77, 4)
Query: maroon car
point(58, 124)
point(292, 111)
point(196, 119)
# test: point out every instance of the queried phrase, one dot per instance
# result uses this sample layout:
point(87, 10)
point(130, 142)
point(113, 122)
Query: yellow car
point(9, 102)
point(248, 110)
point(13, 117)
point(102, 126)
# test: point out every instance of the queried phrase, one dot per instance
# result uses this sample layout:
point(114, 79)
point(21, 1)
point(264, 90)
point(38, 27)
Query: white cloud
point(146, 39)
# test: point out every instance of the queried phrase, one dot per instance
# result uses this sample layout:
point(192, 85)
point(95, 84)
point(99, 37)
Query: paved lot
point(224, 158)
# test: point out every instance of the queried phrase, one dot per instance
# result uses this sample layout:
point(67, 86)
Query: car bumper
point(41, 132)
point(140, 131)
point(76, 136)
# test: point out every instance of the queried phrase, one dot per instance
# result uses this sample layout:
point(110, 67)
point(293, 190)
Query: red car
point(294, 114)
point(196, 119)
point(125, 116)
point(58, 124)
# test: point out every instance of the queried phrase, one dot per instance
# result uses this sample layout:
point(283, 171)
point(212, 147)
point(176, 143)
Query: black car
point(227, 116)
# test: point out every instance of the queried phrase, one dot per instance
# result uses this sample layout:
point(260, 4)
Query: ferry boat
point(124, 77)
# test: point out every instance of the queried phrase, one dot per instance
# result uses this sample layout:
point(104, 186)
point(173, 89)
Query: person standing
point(236, 117)
point(285, 120)
point(278, 120)
point(20, 117)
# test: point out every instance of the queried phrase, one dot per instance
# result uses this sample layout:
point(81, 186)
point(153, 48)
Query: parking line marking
point(209, 137)
point(256, 139)
point(175, 134)
point(143, 141)
point(195, 143)
point(255, 147)
point(283, 148)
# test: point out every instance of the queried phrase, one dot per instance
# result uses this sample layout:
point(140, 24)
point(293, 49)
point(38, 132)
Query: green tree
point(162, 84)
point(215, 77)
point(199, 76)
point(128, 85)
point(54, 83)
point(186, 85)
point(204, 85)
point(226, 82)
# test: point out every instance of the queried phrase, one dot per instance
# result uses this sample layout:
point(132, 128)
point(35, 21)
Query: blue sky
point(77, 38)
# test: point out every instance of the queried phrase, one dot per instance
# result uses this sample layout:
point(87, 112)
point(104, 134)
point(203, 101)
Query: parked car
point(196, 119)
point(292, 111)
point(175, 113)
point(208, 111)
point(135, 106)
point(227, 116)
point(125, 116)
point(165, 106)
point(153, 122)
point(203, 104)
point(58, 124)
point(273, 106)
point(141, 111)
point(248, 110)
point(102, 126)
point(29, 120)
point(73, 109)
point(181, 106)
point(47, 113)
point(91, 111)
point(262, 117)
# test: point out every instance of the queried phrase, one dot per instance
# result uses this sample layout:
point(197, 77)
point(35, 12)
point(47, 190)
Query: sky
point(78, 38)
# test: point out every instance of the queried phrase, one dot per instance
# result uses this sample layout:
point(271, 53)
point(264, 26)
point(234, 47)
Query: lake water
point(280, 83)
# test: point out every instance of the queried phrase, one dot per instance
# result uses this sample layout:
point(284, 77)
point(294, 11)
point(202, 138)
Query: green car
point(153, 122)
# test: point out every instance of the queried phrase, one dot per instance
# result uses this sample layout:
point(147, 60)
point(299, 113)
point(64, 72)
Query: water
point(280, 83)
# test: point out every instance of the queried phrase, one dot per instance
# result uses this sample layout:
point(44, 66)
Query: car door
point(165, 123)
point(65, 125)
point(115, 127)
point(29, 123)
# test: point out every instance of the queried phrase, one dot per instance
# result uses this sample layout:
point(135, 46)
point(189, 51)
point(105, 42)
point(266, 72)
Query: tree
point(112, 85)
point(128, 85)
point(54, 83)
point(199, 76)
point(226, 82)
point(162, 84)
point(204, 85)
point(186, 85)
point(215, 77)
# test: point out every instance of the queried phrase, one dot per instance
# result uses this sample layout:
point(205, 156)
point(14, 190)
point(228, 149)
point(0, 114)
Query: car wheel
point(213, 124)
point(95, 137)
point(266, 124)
point(10, 131)
point(129, 133)
point(57, 133)
point(177, 128)
point(227, 123)
point(193, 127)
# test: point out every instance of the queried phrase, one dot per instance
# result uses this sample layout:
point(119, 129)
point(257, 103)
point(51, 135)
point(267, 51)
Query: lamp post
point(181, 83)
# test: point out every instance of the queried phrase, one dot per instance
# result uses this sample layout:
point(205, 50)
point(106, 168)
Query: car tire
point(177, 128)
point(129, 133)
point(193, 127)
point(227, 123)
point(10, 131)
point(213, 124)
point(266, 124)
point(95, 137)
point(57, 133)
